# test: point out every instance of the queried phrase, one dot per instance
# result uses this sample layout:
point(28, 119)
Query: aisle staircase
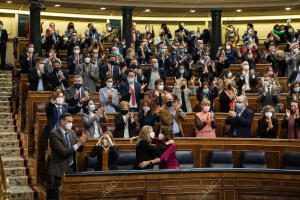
point(13, 147)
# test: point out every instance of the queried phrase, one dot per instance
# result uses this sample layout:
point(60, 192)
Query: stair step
point(7, 128)
point(6, 84)
point(11, 152)
point(9, 143)
point(21, 193)
point(5, 109)
point(5, 89)
point(18, 180)
point(8, 135)
point(15, 171)
point(6, 122)
point(4, 98)
point(4, 103)
point(12, 161)
point(5, 116)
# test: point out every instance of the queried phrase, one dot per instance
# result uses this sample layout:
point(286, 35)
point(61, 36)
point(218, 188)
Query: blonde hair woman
point(205, 125)
point(124, 122)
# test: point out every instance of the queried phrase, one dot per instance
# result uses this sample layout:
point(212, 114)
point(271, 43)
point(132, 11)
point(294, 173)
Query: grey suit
point(270, 98)
point(61, 153)
point(70, 95)
point(88, 122)
point(89, 78)
point(292, 63)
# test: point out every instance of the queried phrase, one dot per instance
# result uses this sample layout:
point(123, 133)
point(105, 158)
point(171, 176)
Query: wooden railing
point(4, 184)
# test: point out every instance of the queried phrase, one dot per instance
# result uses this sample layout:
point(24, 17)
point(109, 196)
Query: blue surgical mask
point(109, 84)
point(229, 75)
point(206, 57)
point(156, 65)
point(147, 109)
point(180, 51)
point(116, 53)
point(296, 89)
point(77, 85)
point(181, 71)
point(205, 91)
point(238, 106)
point(163, 51)
point(92, 107)
point(266, 83)
point(130, 80)
point(201, 46)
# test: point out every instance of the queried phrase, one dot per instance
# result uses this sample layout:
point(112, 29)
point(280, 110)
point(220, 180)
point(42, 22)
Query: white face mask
point(59, 101)
point(96, 55)
point(105, 142)
point(161, 87)
point(268, 114)
point(295, 50)
point(87, 60)
point(228, 47)
point(246, 67)
point(76, 52)
point(66, 39)
point(41, 66)
point(272, 38)
point(30, 50)
point(161, 136)
point(69, 126)
point(109, 28)
point(152, 134)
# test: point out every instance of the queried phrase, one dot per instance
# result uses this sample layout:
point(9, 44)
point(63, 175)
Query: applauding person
point(291, 121)
point(268, 124)
point(148, 114)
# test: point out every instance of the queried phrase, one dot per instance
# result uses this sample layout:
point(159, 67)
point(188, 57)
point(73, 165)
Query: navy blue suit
point(125, 95)
point(147, 74)
point(240, 126)
point(116, 73)
point(51, 112)
point(292, 77)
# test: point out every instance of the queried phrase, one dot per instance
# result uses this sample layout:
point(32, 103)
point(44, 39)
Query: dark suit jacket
point(241, 125)
point(54, 81)
point(145, 152)
point(241, 80)
point(3, 38)
point(61, 153)
point(292, 77)
point(263, 125)
point(147, 73)
point(70, 95)
point(125, 95)
point(116, 72)
point(25, 64)
point(51, 113)
point(120, 126)
point(72, 64)
point(113, 156)
point(33, 79)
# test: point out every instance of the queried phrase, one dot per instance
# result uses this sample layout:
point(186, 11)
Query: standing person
point(124, 122)
point(294, 92)
point(240, 119)
point(205, 121)
point(291, 121)
point(3, 40)
point(227, 96)
point(268, 124)
point(183, 92)
point(91, 119)
point(167, 154)
point(108, 96)
point(171, 115)
point(209, 93)
point(107, 153)
point(27, 59)
point(156, 95)
point(148, 114)
point(64, 144)
point(58, 77)
point(37, 77)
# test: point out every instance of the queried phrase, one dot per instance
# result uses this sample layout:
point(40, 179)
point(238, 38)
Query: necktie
point(77, 60)
point(132, 97)
point(68, 145)
point(58, 115)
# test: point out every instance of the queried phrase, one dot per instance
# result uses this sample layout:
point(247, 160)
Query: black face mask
point(169, 103)
point(182, 87)
point(229, 87)
point(112, 62)
point(56, 69)
point(124, 112)
point(94, 30)
point(133, 66)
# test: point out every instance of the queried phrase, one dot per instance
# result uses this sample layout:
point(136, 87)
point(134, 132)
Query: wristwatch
point(150, 162)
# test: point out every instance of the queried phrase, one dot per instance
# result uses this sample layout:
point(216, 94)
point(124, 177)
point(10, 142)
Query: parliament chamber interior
point(149, 100)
